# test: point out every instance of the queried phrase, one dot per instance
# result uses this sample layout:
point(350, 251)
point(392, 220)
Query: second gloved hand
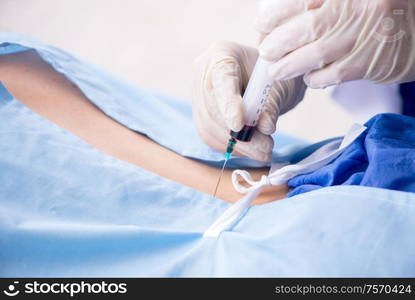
point(333, 41)
point(221, 74)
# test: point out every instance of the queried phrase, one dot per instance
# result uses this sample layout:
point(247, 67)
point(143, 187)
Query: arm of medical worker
point(333, 41)
point(220, 75)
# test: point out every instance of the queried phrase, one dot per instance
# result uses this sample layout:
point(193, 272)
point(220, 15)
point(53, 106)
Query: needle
point(220, 177)
point(229, 149)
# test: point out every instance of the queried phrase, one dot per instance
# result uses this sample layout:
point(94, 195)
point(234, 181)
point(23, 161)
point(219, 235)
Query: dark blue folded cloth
point(383, 156)
point(407, 91)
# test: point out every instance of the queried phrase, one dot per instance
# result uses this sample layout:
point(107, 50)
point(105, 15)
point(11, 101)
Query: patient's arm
point(50, 94)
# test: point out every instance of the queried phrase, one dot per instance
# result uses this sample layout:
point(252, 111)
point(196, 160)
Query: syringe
point(254, 99)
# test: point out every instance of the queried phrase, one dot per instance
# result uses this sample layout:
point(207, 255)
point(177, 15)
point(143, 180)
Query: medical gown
point(383, 156)
point(68, 209)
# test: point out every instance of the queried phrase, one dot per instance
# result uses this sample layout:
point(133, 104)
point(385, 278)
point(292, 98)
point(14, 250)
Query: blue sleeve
point(383, 157)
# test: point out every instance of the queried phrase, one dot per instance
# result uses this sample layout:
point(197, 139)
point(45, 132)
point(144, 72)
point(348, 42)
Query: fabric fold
point(316, 160)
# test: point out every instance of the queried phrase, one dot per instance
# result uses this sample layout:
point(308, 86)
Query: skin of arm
point(50, 94)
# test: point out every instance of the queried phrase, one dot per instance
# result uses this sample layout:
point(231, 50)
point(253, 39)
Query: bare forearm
point(51, 95)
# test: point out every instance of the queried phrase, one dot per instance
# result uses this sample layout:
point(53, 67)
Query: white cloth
point(363, 99)
point(315, 161)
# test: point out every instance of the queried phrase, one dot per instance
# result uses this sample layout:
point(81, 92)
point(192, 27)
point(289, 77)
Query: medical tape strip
point(315, 161)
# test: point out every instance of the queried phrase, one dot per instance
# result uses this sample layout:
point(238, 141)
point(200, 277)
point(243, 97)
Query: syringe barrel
point(254, 99)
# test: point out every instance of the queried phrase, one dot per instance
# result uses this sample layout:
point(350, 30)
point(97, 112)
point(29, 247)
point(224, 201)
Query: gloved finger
point(272, 13)
point(226, 84)
point(298, 32)
point(335, 73)
point(267, 123)
point(290, 36)
point(211, 129)
point(213, 133)
point(260, 38)
point(259, 148)
point(311, 57)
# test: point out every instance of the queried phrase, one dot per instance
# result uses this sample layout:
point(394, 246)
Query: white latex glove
point(333, 41)
point(220, 76)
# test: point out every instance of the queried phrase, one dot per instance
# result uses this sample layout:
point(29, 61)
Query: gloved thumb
point(226, 84)
point(259, 148)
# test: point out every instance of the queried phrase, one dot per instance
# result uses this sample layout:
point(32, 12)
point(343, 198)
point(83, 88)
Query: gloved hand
point(333, 41)
point(220, 76)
